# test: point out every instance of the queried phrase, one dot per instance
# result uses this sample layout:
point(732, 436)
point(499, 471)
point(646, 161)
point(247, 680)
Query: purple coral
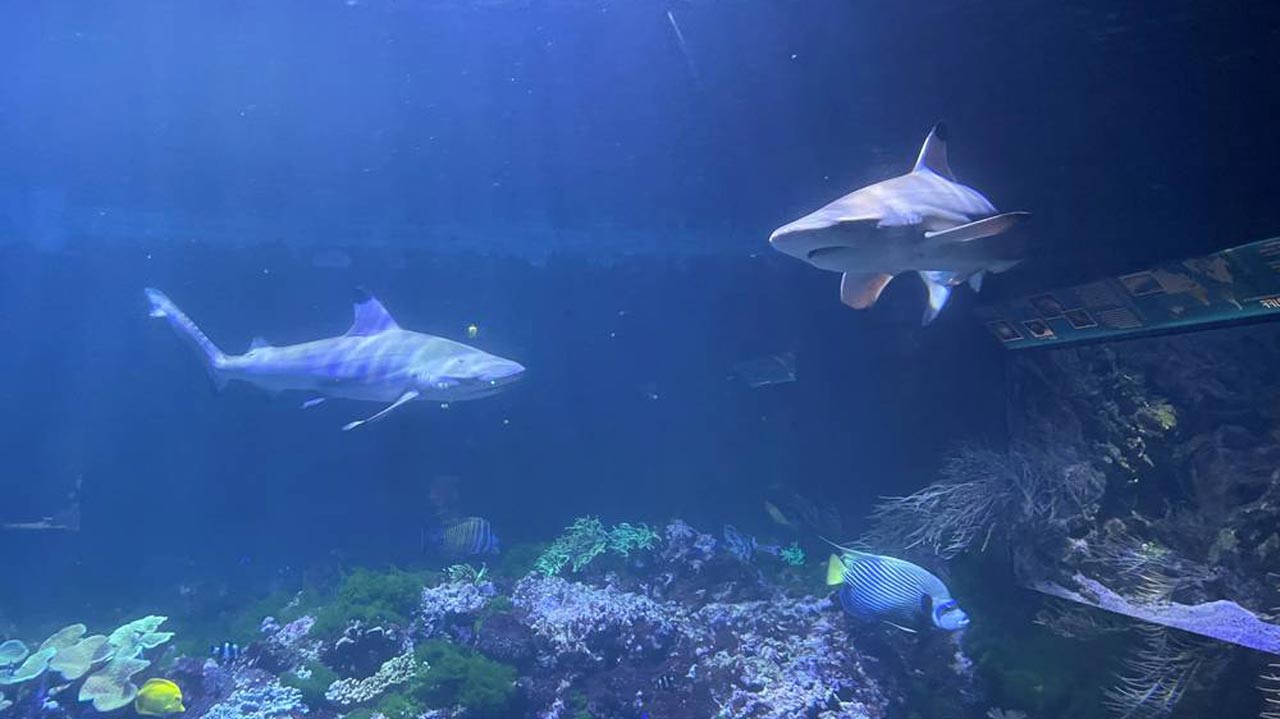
point(442, 604)
point(578, 618)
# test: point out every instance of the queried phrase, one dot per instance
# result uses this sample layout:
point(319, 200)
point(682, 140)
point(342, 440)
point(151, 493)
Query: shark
point(924, 222)
point(374, 361)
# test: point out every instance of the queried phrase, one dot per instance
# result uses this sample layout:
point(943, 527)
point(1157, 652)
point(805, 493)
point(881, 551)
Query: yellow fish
point(473, 331)
point(159, 697)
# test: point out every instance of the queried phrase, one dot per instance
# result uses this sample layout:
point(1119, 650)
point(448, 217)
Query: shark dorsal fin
point(933, 154)
point(371, 317)
point(258, 343)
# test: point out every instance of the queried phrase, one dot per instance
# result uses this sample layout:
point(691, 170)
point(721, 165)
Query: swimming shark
point(923, 222)
point(375, 361)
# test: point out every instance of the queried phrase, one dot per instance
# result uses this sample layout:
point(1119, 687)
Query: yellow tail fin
point(835, 571)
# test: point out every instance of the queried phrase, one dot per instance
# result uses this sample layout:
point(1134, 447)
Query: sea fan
point(1158, 672)
point(984, 494)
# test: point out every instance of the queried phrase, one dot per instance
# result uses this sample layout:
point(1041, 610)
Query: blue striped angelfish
point(895, 591)
point(466, 536)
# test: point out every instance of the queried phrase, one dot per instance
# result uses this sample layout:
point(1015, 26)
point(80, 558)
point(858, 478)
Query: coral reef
point(687, 630)
point(586, 539)
point(462, 678)
point(372, 598)
point(113, 660)
point(984, 494)
point(443, 605)
point(258, 696)
point(349, 691)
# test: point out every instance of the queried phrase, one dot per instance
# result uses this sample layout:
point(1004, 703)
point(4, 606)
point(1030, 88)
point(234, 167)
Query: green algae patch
point(372, 597)
point(462, 677)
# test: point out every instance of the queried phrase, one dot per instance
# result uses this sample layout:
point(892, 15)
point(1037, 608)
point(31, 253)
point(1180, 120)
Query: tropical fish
point(224, 653)
point(892, 590)
point(923, 222)
point(159, 697)
point(375, 361)
point(470, 535)
point(776, 515)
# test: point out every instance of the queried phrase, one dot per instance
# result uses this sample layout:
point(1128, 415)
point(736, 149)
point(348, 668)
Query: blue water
point(592, 184)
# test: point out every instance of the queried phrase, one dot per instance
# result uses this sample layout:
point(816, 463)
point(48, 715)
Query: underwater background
point(588, 187)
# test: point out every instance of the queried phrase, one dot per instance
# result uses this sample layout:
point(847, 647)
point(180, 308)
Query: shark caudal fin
point(164, 308)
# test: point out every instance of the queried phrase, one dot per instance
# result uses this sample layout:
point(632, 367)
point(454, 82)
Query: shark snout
point(500, 372)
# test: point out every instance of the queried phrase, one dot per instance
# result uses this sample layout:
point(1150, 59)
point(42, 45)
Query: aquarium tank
point(639, 359)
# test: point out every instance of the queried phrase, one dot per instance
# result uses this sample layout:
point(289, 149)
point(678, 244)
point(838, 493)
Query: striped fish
point(895, 591)
point(467, 536)
point(374, 361)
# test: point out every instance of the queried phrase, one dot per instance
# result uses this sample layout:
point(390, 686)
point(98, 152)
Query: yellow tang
point(159, 697)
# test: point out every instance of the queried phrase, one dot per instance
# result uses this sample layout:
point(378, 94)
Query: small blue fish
point(224, 653)
point(892, 590)
point(468, 536)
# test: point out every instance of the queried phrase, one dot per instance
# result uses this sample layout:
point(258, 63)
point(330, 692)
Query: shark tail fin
point(939, 286)
point(164, 308)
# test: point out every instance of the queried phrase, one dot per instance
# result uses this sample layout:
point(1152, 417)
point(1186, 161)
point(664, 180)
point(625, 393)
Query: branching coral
point(466, 573)
point(586, 539)
point(792, 555)
point(259, 700)
point(397, 670)
point(985, 494)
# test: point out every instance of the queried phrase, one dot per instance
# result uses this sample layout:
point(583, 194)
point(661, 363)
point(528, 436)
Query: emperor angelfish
point(467, 536)
point(895, 591)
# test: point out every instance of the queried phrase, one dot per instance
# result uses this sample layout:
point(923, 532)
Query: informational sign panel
point(1233, 284)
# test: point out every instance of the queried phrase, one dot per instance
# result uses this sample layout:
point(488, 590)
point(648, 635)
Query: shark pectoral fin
point(939, 293)
point(979, 228)
point(861, 291)
point(406, 397)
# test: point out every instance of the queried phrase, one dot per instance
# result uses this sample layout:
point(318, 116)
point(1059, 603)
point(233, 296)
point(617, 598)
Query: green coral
point(792, 555)
point(586, 539)
point(462, 677)
point(373, 598)
point(624, 538)
point(466, 573)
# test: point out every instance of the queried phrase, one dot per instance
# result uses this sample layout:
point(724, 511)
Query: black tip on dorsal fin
point(370, 316)
point(933, 154)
